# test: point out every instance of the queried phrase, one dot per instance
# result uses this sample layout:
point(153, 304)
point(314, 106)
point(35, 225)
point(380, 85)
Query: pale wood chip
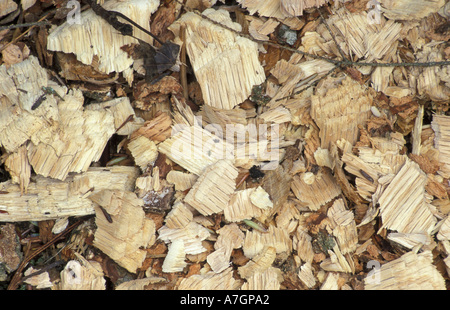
point(411, 271)
point(175, 259)
point(213, 189)
point(441, 128)
point(255, 241)
point(269, 279)
point(211, 281)
point(343, 224)
point(306, 275)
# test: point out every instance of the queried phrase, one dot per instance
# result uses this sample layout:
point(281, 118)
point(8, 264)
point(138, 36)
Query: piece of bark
point(411, 271)
point(225, 64)
point(155, 192)
point(402, 204)
point(11, 255)
point(338, 111)
point(48, 198)
point(321, 190)
point(211, 281)
point(213, 189)
point(441, 127)
point(104, 41)
point(125, 231)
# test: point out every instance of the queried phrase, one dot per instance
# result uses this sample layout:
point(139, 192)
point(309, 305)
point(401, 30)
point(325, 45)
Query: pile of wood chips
point(250, 165)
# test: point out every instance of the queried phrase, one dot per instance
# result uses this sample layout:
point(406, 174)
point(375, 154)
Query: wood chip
point(322, 190)
point(210, 281)
point(441, 127)
point(129, 230)
point(255, 241)
point(87, 275)
point(402, 204)
point(411, 271)
point(220, 58)
point(212, 191)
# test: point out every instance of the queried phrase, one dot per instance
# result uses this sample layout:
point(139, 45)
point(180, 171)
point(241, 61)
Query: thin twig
point(42, 23)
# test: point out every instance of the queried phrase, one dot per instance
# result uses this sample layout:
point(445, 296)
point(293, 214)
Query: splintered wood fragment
point(179, 217)
point(412, 240)
point(305, 274)
point(302, 244)
point(277, 184)
point(225, 64)
point(19, 168)
point(259, 263)
point(296, 7)
point(260, 29)
point(129, 231)
point(181, 180)
point(211, 281)
point(255, 241)
point(48, 198)
point(157, 129)
point(156, 193)
point(402, 204)
point(444, 231)
point(410, 10)
point(40, 281)
point(175, 259)
point(240, 206)
point(87, 275)
point(322, 190)
point(213, 189)
point(139, 284)
point(192, 235)
point(339, 110)
point(331, 282)
point(343, 224)
point(104, 41)
point(219, 117)
point(411, 271)
point(195, 148)
point(269, 279)
point(337, 262)
point(144, 151)
point(441, 128)
point(230, 237)
point(431, 81)
point(260, 198)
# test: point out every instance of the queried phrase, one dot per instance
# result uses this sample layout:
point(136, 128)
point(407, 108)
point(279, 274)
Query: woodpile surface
point(249, 144)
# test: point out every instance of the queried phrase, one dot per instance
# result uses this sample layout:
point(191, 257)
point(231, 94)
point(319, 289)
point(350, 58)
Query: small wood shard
point(255, 241)
point(410, 10)
point(195, 148)
point(269, 279)
point(305, 274)
point(259, 263)
point(175, 259)
point(338, 111)
point(87, 275)
point(344, 226)
point(130, 230)
point(211, 281)
point(157, 129)
point(240, 206)
point(402, 204)
point(181, 180)
point(225, 64)
point(411, 271)
point(212, 191)
point(441, 127)
point(192, 235)
point(48, 198)
point(319, 192)
point(144, 151)
point(179, 217)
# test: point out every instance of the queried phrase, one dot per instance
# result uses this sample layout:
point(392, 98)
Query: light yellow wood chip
point(306, 275)
point(269, 279)
point(103, 40)
point(179, 217)
point(343, 224)
point(225, 64)
point(144, 151)
point(129, 231)
point(302, 244)
point(259, 263)
point(48, 198)
point(181, 180)
point(195, 148)
point(175, 259)
point(402, 204)
point(410, 9)
point(240, 207)
point(296, 7)
point(441, 128)
point(192, 235)
point(411, 271)
point(210, 281)
point(255, 241)
point(339, 110)
point(87, 275)
point(213, 189)
point(19, 168)
point(314, 195)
